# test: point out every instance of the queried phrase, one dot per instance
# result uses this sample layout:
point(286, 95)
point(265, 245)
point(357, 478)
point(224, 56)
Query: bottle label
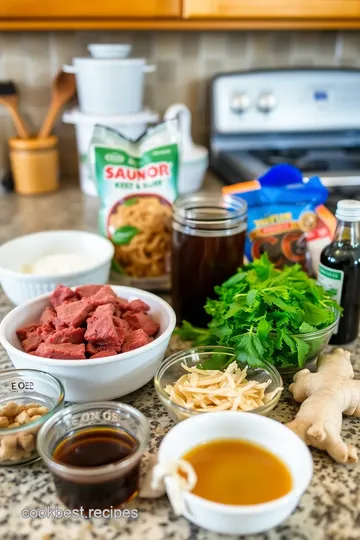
point(331, 279)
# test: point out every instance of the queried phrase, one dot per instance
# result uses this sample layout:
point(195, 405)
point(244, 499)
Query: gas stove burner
point(320, 160)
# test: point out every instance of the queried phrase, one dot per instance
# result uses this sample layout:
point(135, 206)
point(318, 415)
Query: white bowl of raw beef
point(22, 276)
point(99, 378)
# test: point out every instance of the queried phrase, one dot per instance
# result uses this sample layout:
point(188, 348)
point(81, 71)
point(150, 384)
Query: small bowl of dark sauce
point(94, 451)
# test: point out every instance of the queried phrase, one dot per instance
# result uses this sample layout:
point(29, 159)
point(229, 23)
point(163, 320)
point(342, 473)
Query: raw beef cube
point(87, 290)
point(63, 351)
point(105, 295)
point(59, 325)
point(93, 348)
point(48, 316)
point(101, 328)
point(24, 330)
point(74, 313)
point(106, 309)
point(62, 294)
point(104, 352)
point(121, 305)
point(134, 340)
point(31, 343)
point(122, 328)
point(67, 335)
point(143, 321)
point(138, 305)
point(43, 331)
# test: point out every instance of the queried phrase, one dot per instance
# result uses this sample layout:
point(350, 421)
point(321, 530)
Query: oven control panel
point(289, 100)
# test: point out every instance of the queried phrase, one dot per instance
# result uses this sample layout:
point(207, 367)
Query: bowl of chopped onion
point(210, 379)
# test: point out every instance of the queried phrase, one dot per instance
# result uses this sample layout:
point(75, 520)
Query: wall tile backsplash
point(185, 63)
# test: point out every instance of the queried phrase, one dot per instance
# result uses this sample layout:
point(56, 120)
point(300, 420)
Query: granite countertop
point(329, 510)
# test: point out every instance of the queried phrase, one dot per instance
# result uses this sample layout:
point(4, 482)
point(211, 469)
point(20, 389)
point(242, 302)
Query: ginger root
point(325, 395)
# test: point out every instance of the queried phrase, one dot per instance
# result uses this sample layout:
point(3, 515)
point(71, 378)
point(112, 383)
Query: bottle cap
point(348, 210)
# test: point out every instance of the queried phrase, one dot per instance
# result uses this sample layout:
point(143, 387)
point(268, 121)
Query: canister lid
point(33, 143)
point(75, 116)
point(348, 210)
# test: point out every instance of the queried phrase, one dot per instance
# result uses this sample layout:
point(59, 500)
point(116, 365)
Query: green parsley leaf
point(260, 312)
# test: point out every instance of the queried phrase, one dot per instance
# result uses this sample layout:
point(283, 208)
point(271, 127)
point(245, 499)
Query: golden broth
point(232, 471)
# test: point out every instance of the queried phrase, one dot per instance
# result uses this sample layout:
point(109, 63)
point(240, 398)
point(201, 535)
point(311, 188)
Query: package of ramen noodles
point(286, 217)
point(137, 184)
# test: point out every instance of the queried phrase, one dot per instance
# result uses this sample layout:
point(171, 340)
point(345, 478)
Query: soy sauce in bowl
point(94, 451)
point(96, 447)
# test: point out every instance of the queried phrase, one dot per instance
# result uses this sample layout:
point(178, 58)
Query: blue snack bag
point(286, 217)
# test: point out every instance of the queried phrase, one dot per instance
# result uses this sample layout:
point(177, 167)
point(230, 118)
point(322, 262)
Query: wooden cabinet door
point(271, 9)
point(88, 9)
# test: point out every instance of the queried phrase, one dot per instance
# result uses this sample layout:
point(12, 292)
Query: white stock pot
point(109, 86)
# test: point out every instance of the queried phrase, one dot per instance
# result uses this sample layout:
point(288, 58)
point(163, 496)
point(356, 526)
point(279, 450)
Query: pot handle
point(149, 69)
point(69, 69)
point(183, 116)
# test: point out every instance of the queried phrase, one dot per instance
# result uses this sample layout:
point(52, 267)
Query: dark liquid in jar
point(199, 263)
point(344, 256)
point(96, 447)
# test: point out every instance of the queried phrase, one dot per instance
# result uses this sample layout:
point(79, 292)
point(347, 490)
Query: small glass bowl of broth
point(251, 471)
point(172, 369)
point(94, 451)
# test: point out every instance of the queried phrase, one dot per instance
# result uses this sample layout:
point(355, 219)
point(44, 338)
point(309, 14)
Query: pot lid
point(109, 50)
point(75, 116)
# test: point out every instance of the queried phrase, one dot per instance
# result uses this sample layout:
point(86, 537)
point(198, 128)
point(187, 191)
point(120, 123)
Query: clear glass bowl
point(170, 371)
point(23, 387)
point(317, 342)
point(101, 486)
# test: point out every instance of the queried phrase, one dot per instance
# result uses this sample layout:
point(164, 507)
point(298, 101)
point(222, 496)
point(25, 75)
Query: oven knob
point(266, 102)
point(240, 103)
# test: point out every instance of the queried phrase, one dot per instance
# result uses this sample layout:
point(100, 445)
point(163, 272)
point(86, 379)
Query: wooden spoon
point(11, 102)
point(63, 89)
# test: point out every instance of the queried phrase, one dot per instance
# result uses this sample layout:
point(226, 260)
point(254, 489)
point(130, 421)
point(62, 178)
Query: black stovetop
point(318, 159)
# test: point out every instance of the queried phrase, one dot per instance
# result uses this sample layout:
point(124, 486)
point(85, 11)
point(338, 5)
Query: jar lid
point(33, 143)
point(210, 212)
point(348, 210)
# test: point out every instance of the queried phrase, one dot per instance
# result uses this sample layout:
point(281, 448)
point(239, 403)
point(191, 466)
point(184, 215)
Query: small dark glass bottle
point(340, 270)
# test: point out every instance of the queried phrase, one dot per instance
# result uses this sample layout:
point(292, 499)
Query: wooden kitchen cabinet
point(271, 9)
point(178, 14)
point(89, 9)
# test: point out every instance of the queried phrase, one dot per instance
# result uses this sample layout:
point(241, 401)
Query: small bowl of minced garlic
point(35, 264)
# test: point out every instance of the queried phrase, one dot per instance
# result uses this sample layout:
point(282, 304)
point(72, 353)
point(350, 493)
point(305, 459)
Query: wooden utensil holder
point(35, 164)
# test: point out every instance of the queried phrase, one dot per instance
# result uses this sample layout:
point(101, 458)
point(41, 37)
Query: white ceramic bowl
point(25, 250)
point(100, 378)
point(272, 435)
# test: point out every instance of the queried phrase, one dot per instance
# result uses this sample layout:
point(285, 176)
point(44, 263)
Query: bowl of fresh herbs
point(281, 316)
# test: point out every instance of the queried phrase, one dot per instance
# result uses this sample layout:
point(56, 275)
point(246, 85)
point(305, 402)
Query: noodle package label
point(137, 184)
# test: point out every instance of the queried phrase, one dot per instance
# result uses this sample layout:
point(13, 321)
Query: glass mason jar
point(82, 446)
point(207, 248)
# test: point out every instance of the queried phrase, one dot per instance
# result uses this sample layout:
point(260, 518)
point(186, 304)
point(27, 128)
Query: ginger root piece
point(325, 396)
